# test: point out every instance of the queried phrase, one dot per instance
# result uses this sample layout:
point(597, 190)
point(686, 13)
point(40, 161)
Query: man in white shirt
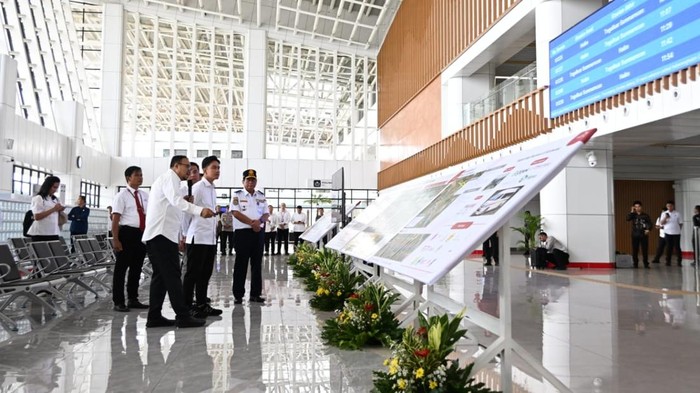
point(661, 245)
point(284, 218)
point(128, 223)
point(250, 213)
point(270, 231)
point(299, 225)
point(201, 243)
point(672, 223)
point(551, 250)
point(163, 220)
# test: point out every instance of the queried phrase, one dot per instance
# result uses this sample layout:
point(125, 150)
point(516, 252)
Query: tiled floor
point(612, 331)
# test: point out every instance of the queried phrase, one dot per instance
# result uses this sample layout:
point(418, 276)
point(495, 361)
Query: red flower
point(325, 274)
point(422, 331)
point(422, 352)
point(354, 296)
point(369, 307)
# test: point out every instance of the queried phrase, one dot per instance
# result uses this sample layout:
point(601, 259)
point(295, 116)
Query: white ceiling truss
point(361, 23)
point(319, 98)
point(181, 78)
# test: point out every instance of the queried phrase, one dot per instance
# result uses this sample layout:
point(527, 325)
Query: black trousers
point(270, 242)
point(490, 248)
point(283, 235)
point(249, 248)
point(642, 241)
point(226, 241)
point(673, 242)
point(200, 264)
point(558, 257)
point(296, 238)
point(131, 259)
point(45, 238)
point(165, 258)
point(660, 249)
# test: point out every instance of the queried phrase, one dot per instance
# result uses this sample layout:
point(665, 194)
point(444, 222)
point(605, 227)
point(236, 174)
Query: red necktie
point(139, 209)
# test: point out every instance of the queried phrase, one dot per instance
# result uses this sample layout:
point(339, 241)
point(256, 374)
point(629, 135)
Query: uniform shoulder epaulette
point(239, 191)
point(261, 193)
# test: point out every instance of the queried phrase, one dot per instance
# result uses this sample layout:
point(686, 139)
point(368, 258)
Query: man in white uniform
point(299, 225)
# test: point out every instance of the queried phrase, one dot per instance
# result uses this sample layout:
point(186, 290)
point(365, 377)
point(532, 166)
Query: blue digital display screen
point(621, 46)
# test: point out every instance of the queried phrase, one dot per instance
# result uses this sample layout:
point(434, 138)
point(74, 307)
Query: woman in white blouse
point(46, 208)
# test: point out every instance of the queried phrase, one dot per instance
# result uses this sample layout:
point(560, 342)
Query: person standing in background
point(46, 209)
point(163, 220)
point(193, 176)
point(201, 243)
point(128, 223)
point(109, 221)
point(78, 217)
point(299, 225)
point(661, 247)
point(270, 231)
point(673, 223)
point(284, 218)
point(226, 234)
point(641, 224)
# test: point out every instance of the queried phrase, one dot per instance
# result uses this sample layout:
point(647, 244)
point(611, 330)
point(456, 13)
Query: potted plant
point(531, 225)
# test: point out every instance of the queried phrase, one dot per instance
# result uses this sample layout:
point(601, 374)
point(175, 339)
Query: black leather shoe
point(257, 299)
point(136, 304)
point(121, 308)
point(189, 322)
point(211, 311)
point(238, 301)
point(160, 322)
point(198, 312)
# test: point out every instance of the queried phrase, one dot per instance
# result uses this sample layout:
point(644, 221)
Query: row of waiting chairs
point(28, 270)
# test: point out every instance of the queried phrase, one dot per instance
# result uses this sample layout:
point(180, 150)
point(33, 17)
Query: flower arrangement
point(366, 319)
point(302, 260)
point(335, 283)
point(419, 361)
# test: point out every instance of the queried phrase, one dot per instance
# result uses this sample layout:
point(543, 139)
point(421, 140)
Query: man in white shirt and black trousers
point(163, 219)
point(672, 223)
point(201, 242)
point(128, 223)
point(250, 213)
point(284, 218)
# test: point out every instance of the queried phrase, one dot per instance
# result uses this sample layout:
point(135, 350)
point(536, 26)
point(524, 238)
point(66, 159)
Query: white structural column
point(687, 197)
point(577, 207)
point(112, 63)
point(254, 114)
point(462, 90)
point(69, 117)
point(8, 97)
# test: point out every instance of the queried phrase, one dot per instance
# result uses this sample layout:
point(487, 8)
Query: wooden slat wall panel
point(653, 195)
point(517, 122)
point(424, 38)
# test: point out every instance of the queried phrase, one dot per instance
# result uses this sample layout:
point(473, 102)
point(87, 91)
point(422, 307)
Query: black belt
point(129, 227)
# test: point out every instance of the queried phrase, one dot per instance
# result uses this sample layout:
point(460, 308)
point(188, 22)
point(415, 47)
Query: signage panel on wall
point(426, 229)
point(621, 46)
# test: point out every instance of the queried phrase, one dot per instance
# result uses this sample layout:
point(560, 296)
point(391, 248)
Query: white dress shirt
point(253, 206)
point(125, 206)
point(271, 225)
point(203, 230)
point(672, 223)
point(283, 219)
point(165, 207)
point(48, 226)
point(299, 217)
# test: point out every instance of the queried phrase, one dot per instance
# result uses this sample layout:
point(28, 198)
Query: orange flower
point(422, 352)
point(422, 331)
point(369, 307)
point(354, 296)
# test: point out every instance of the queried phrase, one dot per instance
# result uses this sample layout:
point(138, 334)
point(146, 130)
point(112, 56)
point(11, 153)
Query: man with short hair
point(163, 219)
point(672, 222)
point(299, 225)
point(641, 224)
point(128, 224)
point(250, 213)
point(284, 218)
point(551, 250)
point(201, 243)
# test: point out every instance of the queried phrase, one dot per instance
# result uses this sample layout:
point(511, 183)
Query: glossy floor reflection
point(612, 331)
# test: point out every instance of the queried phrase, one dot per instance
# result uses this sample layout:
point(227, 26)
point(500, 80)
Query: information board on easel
point(425, 229)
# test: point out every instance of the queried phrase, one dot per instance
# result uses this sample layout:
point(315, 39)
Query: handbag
point(62, 218)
